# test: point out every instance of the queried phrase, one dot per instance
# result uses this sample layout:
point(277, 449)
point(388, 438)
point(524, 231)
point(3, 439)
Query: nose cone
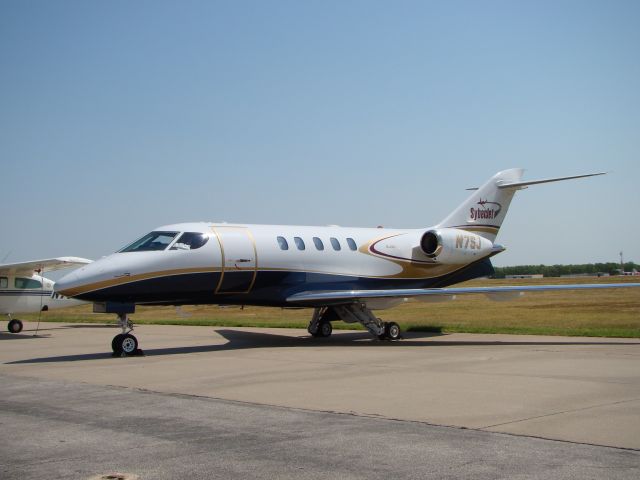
point(78, 281)
point(67, 284)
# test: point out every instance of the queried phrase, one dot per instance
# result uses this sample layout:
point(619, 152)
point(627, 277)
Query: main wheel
point(315, 331)
point(15, 326)
point(392, 330)
point(325, 329)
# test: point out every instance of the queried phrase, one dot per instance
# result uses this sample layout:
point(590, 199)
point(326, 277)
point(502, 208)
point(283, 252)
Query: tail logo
point(487, 210)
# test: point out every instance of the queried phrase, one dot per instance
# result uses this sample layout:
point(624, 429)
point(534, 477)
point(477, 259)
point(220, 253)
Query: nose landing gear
point(125, 344)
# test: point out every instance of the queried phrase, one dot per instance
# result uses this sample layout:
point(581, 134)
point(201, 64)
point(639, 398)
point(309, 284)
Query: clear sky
point(117, 117)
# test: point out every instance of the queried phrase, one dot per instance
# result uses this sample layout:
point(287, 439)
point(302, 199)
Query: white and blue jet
point(342, 273)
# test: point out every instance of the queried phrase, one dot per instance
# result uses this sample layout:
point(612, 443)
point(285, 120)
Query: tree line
point(611, 268)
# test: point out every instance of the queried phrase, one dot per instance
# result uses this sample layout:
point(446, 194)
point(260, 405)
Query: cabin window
point(299, 243)
point(27, 283)
point(335, 243)
point(318, 243)
point(4, 282)
point(352, 244)
point(283, 243)
point(190, 241)
point(150, 242)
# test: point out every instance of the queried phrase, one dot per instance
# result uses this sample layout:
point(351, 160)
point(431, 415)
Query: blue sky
point(117, 117)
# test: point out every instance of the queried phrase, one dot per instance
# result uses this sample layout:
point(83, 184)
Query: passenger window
point(352, 244)
point(335, 243)
point(283, 243)
point(190, 241)
point(27, 283)
point(299, 243)
point(318, 243)
point(4, 282)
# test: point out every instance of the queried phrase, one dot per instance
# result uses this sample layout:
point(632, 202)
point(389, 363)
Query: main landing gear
point(14, 325)
point(320, 325)
point(125, 344)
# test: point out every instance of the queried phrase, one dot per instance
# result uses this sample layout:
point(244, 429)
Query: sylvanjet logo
point(487, 211)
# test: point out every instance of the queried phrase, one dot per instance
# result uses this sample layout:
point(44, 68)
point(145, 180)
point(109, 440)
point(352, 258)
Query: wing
point(495, 293)
point(48, 264)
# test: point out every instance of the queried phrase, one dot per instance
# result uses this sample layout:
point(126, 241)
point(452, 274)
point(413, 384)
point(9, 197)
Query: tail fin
point(484, 211)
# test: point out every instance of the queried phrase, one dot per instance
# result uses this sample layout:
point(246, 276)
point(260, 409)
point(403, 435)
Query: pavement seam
point(372, 416)
point(559, 413)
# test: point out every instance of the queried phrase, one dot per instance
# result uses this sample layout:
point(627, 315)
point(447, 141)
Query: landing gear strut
point(15, 325)
point(124, 343)
point(320, 325)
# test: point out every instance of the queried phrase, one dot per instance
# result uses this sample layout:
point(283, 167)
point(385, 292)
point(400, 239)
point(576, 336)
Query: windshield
point(151, 241)
point(190, 241)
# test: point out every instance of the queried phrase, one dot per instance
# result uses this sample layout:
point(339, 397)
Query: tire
point(325, 329)
point(315, 331)
point(116, 343)
point(15, 326)
point(392, 331)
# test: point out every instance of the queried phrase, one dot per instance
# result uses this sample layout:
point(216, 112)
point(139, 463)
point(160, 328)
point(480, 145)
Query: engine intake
point(431, 243)
point(451, 245)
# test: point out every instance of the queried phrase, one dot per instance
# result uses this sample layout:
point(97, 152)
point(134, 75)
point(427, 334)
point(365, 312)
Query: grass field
point(601, 313)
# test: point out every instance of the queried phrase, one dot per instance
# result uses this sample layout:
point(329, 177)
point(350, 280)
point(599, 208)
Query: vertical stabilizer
point(484, 211)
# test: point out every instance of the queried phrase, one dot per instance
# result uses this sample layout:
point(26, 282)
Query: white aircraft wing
point(495, 293)
point(48, 264)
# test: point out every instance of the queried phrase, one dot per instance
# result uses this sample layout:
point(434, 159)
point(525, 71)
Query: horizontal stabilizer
point(546, 180)
point(349, 296)
point(518, 185)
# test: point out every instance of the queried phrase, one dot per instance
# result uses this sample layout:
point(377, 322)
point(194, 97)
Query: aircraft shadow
point(24, 335)
point(242, 339)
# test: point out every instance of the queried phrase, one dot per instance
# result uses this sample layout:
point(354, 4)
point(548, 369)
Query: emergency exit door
point(239, 259)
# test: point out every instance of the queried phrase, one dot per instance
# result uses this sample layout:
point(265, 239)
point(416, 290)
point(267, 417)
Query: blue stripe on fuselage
point(271, 288)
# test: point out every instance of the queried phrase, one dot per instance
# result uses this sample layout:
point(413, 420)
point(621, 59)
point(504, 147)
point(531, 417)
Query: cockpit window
point(151, 241)
point(190, 241)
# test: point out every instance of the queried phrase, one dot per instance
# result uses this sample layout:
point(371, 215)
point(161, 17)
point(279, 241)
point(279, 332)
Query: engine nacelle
point(450, 245)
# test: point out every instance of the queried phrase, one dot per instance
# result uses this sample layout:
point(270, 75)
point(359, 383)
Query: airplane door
point(239, 259)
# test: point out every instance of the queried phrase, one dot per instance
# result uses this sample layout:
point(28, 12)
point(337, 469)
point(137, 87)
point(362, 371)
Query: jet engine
point(454, 246)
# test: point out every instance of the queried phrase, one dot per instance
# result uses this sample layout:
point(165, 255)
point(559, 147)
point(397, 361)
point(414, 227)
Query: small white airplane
point(343, 273)
point(24, 290)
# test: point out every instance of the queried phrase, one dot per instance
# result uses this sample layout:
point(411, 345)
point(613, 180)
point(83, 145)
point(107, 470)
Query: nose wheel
point(125, 344)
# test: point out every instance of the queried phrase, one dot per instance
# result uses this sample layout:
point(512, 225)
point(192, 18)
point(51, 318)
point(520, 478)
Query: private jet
point(342, 273)
point(24, 290)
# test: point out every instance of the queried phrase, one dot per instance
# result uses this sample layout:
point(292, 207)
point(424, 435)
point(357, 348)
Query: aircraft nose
point(72, 283)
point(64, 284)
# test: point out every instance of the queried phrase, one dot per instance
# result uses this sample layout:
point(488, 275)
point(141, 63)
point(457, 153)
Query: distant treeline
point(558, 270)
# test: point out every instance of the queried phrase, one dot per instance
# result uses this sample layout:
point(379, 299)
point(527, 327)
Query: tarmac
point(207, 402)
